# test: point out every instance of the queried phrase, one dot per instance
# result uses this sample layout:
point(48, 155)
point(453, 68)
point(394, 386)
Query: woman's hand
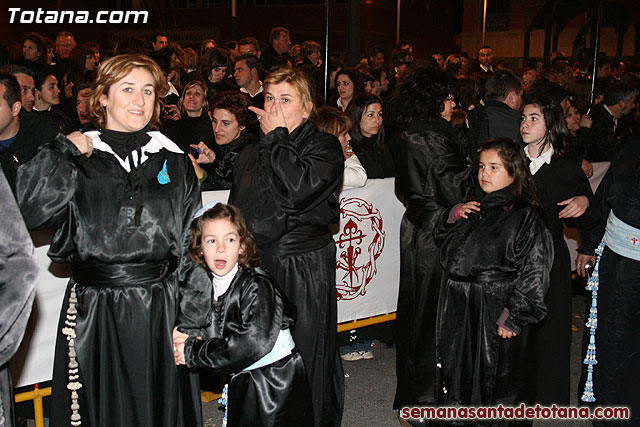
point(505, 333)
point(585, 121)
point(178, 346)
point(270, 120)
point(207, 155)
point(581, 261)
point(196, 167)
point(172, 112)
point(468, 208)
point(587, 168)
point(82, 142)
point(574, 208)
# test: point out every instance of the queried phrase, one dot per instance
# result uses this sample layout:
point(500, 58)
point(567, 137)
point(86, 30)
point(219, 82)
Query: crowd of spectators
point(212, 103)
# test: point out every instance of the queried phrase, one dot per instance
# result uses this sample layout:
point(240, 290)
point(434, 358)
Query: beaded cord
point(224, 401)
point(592, 324)
point(1, 412)
point(69, 330)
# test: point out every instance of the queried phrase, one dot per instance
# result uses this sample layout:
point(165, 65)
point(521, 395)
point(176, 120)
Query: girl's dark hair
point(75, 65)
point(355, 110)
point(355, 76)
point(248, 256)
point(467, 92)
point(557, 132)
point(517, 166)
point(38, 40)
point(422, 94)
point(40, 78)
point(235, 102)
point(212, 58)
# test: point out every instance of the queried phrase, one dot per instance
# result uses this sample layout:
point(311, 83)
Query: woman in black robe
point(617, 339)
point(431, 176)
point(120, 200)
point(287, 188)
point(497, 254)
point(566, 199)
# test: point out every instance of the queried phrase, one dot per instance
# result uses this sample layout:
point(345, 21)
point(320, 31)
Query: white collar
point(157, 142)
point(222, 283)
point(609, 111)
point(243, 90)
point(485, 68)
point(172, 90)
point(537, 162)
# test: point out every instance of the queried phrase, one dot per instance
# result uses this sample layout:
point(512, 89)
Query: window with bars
point(498, 15)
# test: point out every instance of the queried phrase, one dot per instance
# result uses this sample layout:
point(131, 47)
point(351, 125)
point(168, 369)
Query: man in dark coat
point(21, 133)
point(499, 118)
point(18, 273)
point(279, 45)
point(618, 102)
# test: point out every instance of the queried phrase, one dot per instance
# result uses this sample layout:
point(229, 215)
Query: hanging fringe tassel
point(70, 331)
point(224, 401)
point(592, 324)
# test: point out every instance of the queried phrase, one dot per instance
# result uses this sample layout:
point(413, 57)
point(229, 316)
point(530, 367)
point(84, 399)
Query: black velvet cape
point(287, 187)
point(124, 321)
point(431, 176)
point(617, 374)
point(247, 319)
point(557, 181)
point(18, 279)
point(498, 258)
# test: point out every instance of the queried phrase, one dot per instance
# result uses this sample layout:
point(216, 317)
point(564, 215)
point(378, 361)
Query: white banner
point(367, 273)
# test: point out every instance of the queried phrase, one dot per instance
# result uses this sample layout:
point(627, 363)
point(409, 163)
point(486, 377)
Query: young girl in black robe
point(497, 254)
point(566, 199)
point(250, 334)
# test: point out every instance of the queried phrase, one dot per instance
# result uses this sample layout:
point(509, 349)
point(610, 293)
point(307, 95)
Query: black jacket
point(432, 173)
point(33, 133)
point(288, 180)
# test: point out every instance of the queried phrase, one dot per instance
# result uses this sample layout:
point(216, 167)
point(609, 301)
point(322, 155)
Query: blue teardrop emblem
point(163, 175)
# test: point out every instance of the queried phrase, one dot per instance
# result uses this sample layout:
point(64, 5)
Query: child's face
point(492, 174)
point(532, 127)
point(220, 245)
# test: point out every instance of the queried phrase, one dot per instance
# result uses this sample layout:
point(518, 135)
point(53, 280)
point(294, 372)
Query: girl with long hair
point(566, 199)
point(497, 253)
point(367, 136)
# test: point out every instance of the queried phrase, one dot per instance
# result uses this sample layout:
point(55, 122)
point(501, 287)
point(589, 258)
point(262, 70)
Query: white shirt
point(172, 90)
point(615, 121)
point(354, 173)
point(537, 162)
point(243, 90)
point(222, 283)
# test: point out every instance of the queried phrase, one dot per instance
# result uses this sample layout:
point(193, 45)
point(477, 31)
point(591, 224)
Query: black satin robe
point(287, 188)
point(18, 279)
point(247, 319)
point(557, 181)
point(617, 374)
point(124, 323)
point(431, 176)
point(496, 259)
